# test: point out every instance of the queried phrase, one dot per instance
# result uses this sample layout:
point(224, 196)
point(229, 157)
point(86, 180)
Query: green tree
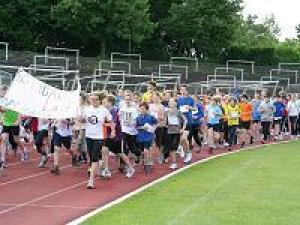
point(253, 34)
point(102, 21)
point(26, 24)
point(206, 25)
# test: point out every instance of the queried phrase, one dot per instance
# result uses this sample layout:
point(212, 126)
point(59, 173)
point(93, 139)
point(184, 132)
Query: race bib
point(127, 118)
point(184, 109)
point(173, 120)
point(234, 115)
point(195, 111)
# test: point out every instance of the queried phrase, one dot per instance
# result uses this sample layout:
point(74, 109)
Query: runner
point(278, 117)
point(151, 88)
point(213, 115)
point(62, 137)
point(293, 112)
point(186, 105)
point(267, 111)
point(233, 114)
point(256, 117)
point(176, 124)
point(42, 141)
point(157, 110)
point(245, 121)
point(10, 133)
point(114, 144)
point(95, 116)
point(146, 125)
point(128, 113)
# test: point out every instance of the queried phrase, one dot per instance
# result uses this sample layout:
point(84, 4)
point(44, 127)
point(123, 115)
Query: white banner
point(32, 97)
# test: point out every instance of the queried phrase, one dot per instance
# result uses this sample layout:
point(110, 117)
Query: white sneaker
point(188, 158)
point(90, 184)
point(180, 151)
point(130, 172)
point(105, 173)
point(22, 156)
point(173, 166)
point(225, 144)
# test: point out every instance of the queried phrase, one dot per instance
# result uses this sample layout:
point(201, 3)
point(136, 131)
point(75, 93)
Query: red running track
point(33, 196)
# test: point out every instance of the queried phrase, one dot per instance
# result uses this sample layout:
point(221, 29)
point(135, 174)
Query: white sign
point(32, 97)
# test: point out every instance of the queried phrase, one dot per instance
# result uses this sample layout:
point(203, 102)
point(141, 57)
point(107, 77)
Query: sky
point(286, 12)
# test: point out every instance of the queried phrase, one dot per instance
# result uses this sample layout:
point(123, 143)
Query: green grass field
point(257, 187)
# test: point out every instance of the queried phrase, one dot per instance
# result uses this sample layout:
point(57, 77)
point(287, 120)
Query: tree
point(100, 21)
point(26, 24)
point(253, 34)
point(206, 25)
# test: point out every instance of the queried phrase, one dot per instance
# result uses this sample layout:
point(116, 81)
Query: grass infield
point(253, 187)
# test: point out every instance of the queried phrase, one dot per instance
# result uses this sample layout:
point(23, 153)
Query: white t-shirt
point(128, 115)
point(95, 121)
point(43, 124)
point(292, 109)
point(63, 128)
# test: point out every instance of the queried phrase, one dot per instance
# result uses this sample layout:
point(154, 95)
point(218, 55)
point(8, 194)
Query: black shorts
point(11, 130)
point(160, 135)
point(215, 127)
point(277, 120)
point(172, 142)
point(94, 148)
point(39, 139)
point(60, 141)
point(256, 121)
point(145, 145)
point(113, 145)
point(221, 126)
point(245, 125)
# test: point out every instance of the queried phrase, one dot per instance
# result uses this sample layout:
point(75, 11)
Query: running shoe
point(26, 155)
point(130, 172)
point(173, 166)
point(43, 162)
point(188, 158)
point(180, 151)
point(90, 184)
point(147, 169)
point(106, 174)
point(55, 170)
point(75, 161)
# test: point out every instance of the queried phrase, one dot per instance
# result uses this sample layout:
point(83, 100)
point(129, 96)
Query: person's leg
point(5, 138)
point(94, 148)
point(195, 133)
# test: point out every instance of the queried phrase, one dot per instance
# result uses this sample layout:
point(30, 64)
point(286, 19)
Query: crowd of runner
point(132, 125)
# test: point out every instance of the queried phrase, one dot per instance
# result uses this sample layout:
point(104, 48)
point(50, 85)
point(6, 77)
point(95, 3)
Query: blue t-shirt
point(143, 135)
point(256, 114)
point(197, 114)
point(214, 113)
point(279, 109)
point(182, 102)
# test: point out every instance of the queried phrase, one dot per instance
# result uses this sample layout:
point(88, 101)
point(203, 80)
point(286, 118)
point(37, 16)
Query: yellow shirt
point(147, 97)
point(233, 114)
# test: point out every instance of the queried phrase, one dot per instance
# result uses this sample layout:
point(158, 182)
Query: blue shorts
point(60, 141)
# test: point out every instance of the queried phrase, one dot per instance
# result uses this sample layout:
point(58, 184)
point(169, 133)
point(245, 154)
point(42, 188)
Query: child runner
point(233, 114)
point(146, 125)
point(213, 114)
point(114, 144)
point(176, 124)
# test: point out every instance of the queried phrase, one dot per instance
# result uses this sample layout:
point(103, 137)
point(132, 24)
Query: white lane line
point(133, 193)
point(29, 177)
point(49, 206)
point(41, 198)
point(17, 163)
